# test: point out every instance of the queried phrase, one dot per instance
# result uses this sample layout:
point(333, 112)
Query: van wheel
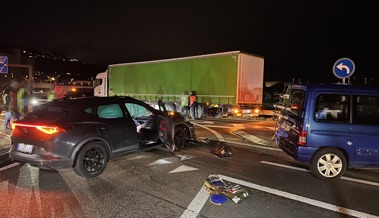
point(180, 138)
point(91, 160)
point(328, 164)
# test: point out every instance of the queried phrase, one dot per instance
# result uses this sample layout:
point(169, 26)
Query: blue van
point(330, 127)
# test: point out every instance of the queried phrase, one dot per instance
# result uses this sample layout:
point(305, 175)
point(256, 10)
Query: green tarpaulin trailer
point(225, 79)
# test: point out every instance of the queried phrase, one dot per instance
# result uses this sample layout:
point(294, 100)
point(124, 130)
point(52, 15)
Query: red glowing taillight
point(302, 138)
point(162, 126)
point(46, 129)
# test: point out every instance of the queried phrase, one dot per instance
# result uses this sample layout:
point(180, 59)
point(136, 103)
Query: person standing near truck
point(193, 105)
point(7, 109)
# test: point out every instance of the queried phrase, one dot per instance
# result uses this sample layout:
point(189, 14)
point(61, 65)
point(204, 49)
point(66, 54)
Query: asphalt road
point(159, 183)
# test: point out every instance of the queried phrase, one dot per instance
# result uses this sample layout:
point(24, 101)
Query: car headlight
point(34, 101)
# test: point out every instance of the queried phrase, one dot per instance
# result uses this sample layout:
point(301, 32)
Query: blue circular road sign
point(343, 68)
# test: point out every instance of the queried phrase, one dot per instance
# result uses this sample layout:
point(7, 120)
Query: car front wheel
point(328, 164)
point(180, 138)
point(91, 160)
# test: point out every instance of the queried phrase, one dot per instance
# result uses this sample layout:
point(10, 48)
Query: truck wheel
point(180, 138)
point(91, 160)
point(328, 164)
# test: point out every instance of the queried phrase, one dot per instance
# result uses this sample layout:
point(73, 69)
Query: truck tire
point(328, 164)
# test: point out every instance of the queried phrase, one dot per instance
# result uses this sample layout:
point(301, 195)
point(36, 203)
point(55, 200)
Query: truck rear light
point(303, 138)
point(46, 129)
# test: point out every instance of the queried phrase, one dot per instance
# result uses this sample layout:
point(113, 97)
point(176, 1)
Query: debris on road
point(222, 151)
point(218, 199)
point(215, 185)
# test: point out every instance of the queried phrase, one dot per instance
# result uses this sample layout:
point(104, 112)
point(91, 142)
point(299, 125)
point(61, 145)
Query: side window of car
point(136, 110)
point(109, 111)
point(366, 110)
point(332, 108)
point(88, 110)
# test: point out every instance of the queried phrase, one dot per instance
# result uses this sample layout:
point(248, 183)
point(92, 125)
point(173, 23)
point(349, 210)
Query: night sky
point(298, 39)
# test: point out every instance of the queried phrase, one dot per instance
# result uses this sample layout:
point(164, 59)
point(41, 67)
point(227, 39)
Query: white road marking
point(160, 162)
point(23, 192)
point(299, 198)
point(183, 168)
point(218, 135)
point(185, 157)
point(225, 127)
point(360, 181)
point(198, 202)
point(306, 170)
point(83, 193)
point(252, 138)
point(238, 125)
point(9, 166)
point(285, 166)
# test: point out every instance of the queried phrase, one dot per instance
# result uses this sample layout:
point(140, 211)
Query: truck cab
point(101, 84)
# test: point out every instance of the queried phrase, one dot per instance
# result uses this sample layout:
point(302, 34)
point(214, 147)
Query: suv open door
point(166, 128)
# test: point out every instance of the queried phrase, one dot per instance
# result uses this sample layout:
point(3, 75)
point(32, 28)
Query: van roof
point(336, 86)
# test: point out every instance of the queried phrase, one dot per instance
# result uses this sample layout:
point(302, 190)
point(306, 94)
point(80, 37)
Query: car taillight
point(162, 126)
point(302, 138)
point(46, 129)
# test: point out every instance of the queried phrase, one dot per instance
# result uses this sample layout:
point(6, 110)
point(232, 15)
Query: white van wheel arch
point(328, 164)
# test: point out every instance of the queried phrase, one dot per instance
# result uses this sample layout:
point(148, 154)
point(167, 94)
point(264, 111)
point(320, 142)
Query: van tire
point(328, 164)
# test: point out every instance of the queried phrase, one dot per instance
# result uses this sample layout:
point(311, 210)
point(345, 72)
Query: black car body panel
point(53, 134)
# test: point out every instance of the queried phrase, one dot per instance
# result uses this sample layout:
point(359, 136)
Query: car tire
point(91, 160)
point(328, 164)
point(180, 138)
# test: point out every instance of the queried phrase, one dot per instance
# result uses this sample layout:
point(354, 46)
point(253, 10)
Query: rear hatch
point(35, 128)
point(290, 132)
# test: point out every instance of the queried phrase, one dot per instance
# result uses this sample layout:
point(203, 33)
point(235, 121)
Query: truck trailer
point(230, 82)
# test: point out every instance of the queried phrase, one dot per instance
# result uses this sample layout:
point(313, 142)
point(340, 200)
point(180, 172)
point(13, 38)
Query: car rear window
point(46, 114)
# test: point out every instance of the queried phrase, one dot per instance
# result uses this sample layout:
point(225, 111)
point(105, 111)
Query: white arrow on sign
point(341, 66)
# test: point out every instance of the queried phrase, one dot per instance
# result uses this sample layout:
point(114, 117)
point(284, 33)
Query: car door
point(166, 127)
point(117, 128)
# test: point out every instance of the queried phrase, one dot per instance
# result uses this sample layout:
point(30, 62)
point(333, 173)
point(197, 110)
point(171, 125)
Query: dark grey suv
point(85, 133)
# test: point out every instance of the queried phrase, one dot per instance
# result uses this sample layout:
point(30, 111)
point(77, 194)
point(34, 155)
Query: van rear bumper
point(300, 153)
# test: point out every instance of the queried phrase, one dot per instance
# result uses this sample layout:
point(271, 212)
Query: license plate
point(24, 148)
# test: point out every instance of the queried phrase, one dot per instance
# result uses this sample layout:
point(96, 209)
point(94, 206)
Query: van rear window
point(295, 103)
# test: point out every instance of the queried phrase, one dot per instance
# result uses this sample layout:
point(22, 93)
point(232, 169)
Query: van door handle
point(349, 142)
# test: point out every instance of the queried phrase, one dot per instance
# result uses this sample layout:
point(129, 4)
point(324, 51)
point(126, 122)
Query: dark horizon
point(298, 40)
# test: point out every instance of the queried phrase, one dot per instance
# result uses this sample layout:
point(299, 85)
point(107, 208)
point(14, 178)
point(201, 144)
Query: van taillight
point(302, 138)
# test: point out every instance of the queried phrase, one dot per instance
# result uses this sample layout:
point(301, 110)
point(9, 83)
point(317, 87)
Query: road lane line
point(27, 181)
point(305, 170)
point(194, 208)
point(9, 166)
point(301, 199)
point(360, 181)
point(285, 166)
point(196, 204)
